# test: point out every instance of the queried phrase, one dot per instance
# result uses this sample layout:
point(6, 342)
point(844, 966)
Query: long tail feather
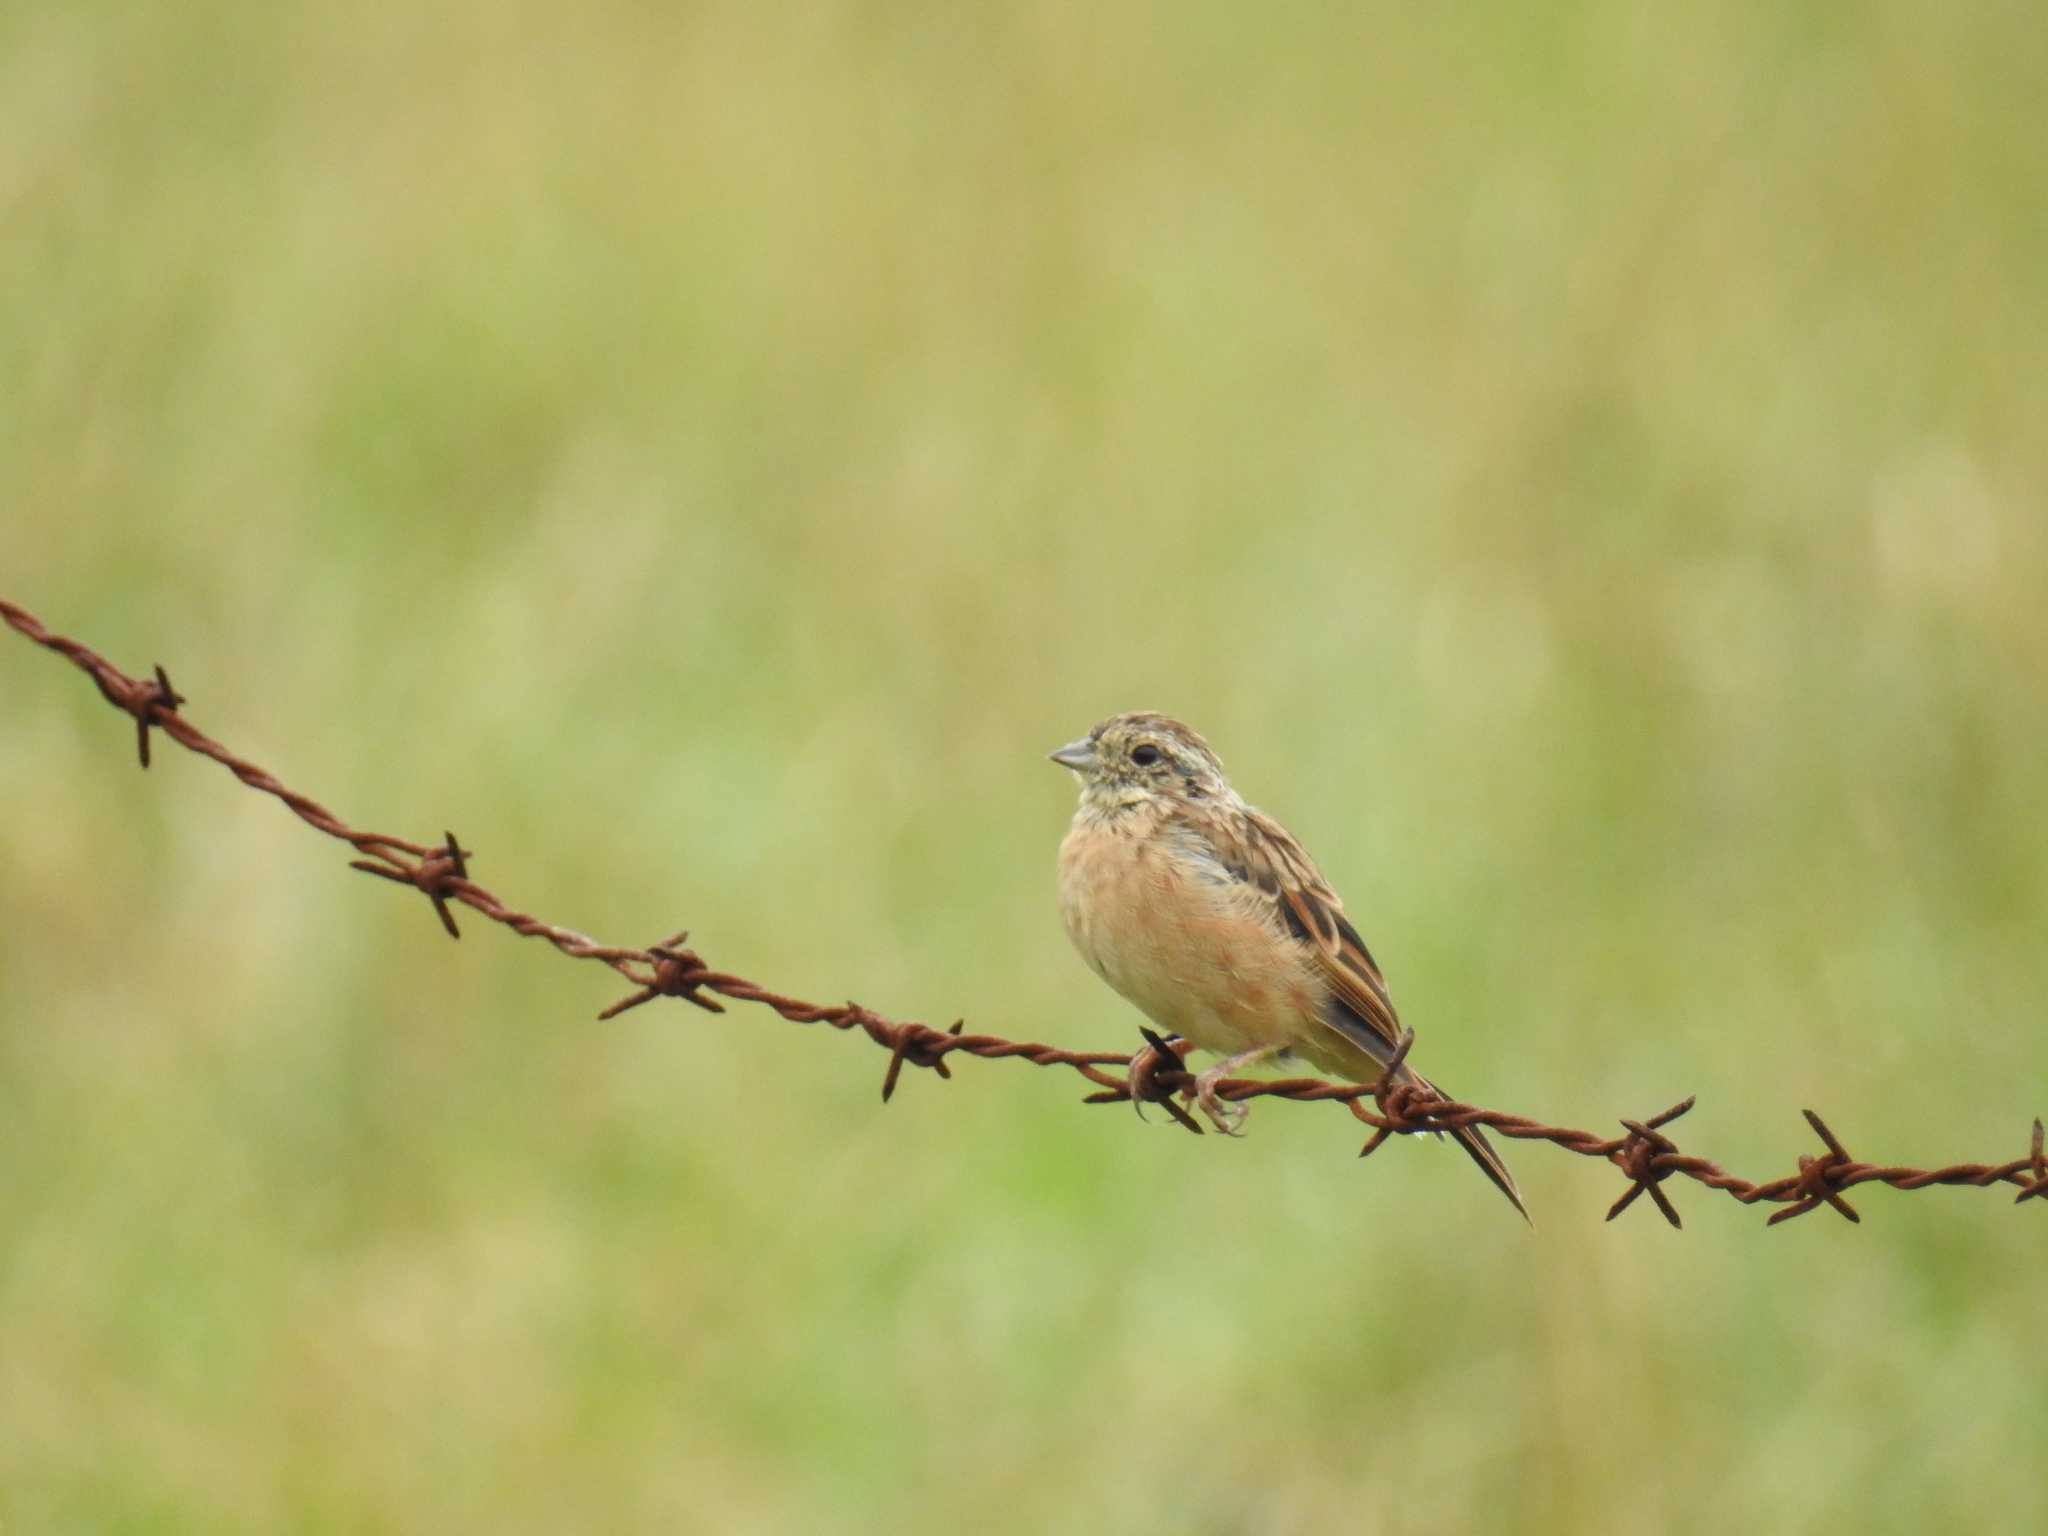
point(1480, 1150)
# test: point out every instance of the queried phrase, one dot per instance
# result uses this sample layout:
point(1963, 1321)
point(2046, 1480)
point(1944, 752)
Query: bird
point(1210, 917)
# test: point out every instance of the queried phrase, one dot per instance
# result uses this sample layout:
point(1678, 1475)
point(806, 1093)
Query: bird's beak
point(1077, 755)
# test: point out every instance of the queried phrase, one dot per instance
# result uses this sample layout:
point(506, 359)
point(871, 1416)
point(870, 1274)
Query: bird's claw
point(1228, 1118)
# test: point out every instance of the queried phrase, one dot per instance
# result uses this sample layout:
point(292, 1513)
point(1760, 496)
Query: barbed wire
point(1646, 1156)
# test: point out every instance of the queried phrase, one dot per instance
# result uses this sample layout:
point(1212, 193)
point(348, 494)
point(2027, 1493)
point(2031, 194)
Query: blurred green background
point(1581, 465)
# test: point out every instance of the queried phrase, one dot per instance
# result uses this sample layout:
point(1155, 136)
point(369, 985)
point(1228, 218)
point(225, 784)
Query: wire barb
point(2037, 1158)
point(151, 700)
point(1148, 1080)
point(675, 973)
point(918, 1044)
point(1401, 1104)
point(1820, 1180)
point(1648, 1158)
point(1405, 1107)
point(437, 872)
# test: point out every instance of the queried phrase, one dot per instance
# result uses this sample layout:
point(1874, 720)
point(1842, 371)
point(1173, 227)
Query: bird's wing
point(1273, 864)
point(1257, 851)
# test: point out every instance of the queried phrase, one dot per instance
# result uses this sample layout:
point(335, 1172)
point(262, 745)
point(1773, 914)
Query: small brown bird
point(1208, 916)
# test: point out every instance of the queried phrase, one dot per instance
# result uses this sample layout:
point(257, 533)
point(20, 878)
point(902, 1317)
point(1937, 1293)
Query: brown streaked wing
point(1276, 864)
point(1359, 1008)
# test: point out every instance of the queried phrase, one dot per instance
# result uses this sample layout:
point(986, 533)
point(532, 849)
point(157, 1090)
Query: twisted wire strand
point(1644, 1154)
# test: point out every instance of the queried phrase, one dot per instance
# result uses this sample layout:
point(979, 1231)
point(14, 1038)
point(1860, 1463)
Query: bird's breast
point(1194, 951)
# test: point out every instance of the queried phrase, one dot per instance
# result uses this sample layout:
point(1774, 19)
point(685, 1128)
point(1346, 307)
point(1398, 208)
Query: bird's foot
point(1227, 1117)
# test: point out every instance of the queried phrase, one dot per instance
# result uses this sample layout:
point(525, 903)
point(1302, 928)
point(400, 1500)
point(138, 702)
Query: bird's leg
point(1229, 1118)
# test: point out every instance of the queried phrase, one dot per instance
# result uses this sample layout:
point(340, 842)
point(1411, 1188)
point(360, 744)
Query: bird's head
point(1143, 757)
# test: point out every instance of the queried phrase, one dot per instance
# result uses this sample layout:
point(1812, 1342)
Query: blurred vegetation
point(1582, 465)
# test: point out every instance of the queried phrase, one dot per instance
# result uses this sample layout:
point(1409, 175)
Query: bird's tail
point(1480, 1150)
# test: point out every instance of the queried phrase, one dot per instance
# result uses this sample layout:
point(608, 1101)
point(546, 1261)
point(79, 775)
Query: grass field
point(1583, 466)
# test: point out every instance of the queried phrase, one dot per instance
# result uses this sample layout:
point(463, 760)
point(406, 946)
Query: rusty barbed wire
point(1645, 1155)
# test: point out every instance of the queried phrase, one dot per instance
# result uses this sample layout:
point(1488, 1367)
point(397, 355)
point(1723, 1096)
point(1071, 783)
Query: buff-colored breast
point(1188, 949)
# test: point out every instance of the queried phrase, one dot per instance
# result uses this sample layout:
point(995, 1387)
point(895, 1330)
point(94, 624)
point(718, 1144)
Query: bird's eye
point(1145, 755)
